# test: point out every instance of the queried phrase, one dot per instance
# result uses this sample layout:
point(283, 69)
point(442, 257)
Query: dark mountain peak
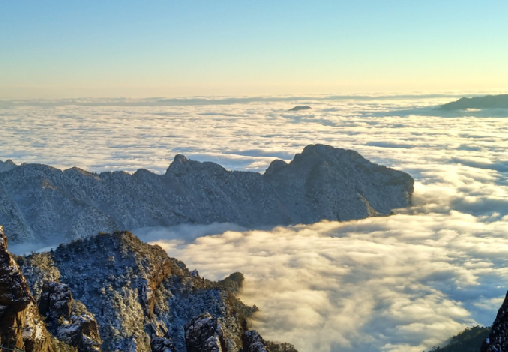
point(180, 158)
point(34, 169)
point(182, 166)
point(326, 152)
point(7, 165)
point(121, 251)
point(275, 166)
point(300, 107)
point(499, 101)
point(77, 170)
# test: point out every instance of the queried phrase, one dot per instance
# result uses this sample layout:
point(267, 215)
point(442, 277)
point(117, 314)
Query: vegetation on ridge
point(469, 340)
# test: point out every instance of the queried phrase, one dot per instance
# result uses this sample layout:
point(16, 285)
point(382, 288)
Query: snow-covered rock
point(205, 334)
point(253, 342)
point(67, 319)
point(161, 344)
point(140, 298)
point(39, 203)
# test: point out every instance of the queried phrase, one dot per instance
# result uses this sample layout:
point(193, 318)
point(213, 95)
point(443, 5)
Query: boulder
point(205, 334)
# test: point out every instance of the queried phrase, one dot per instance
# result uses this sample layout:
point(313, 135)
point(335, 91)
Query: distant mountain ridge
point(300, 107)
point(487, 102)
point(39, 203)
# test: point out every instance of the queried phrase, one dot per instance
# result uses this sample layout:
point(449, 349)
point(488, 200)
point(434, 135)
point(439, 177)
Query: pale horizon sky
point(68, 49)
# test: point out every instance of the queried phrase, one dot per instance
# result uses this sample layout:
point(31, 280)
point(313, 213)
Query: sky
point(69, 49)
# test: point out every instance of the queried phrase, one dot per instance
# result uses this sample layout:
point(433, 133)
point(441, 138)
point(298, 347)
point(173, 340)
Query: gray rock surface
point(39, 203)
point(69, 321)
point(7, 165)
point(140, 298)
point(205, 334)
point(161, 344)
point(55, 301)
point(253, 342)
point(21, 326)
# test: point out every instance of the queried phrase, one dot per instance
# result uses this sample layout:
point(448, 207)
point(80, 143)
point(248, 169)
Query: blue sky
point(186, 48)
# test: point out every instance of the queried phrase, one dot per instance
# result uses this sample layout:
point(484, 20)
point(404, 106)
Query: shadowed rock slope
point(39, 203)
point(21, 326)
point(140, 299)
point(498, 337)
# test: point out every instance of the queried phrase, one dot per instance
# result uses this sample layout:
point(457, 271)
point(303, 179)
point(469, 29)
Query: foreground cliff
point(116, 293)
point(21, 326)
point(39, 203)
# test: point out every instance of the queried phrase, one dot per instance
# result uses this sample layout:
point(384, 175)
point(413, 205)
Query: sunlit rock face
point(140, 298)
point(498, 338)
point(41, 203)
point(21, 326)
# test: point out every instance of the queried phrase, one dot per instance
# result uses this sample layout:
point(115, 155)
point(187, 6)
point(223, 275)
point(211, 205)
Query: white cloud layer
point(402, 283)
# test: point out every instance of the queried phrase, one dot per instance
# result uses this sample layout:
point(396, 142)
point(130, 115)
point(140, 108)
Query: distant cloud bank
point(401, 283)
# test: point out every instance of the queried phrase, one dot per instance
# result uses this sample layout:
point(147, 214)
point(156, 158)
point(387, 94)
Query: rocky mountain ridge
point(112, 292)
point(39, 203)
point(499, 101)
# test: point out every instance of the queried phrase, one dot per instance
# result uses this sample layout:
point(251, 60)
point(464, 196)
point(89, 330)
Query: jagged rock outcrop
point(39, 203)
point(161, 344)
point(21, 326)
point(253, 342)
point(67, 319)
point(280, 347)
point(233, 283)
point(55, 301)
point(81, 331)
point(7, 165)
point(141, 298)
point(205, 334)
point(498, 337)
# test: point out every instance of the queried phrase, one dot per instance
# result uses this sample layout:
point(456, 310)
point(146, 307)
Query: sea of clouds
point(399, 283)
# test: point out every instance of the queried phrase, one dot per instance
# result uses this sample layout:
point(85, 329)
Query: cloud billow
point(402, 283)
